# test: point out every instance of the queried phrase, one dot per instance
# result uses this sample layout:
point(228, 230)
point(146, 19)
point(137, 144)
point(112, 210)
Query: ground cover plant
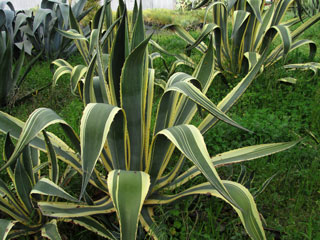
point(289, 110)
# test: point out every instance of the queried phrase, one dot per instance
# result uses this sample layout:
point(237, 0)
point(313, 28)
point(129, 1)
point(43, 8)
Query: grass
point(274, 111)
point(187, 19)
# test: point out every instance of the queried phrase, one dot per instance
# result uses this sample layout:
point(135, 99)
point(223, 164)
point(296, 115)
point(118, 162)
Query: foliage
point(184, 5)
point(11, 75)
point(162, 17)
point(41, 29)
point(18, 197)
point(311, 7)
point(12, 20)
point(274, 111)
point(116, 136)
point(238, 52)
point(94, 5)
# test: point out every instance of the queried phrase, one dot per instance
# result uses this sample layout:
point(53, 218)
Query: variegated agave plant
point(125, 149)
point(250, 25)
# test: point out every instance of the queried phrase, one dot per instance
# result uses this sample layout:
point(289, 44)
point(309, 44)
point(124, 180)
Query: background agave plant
point(251, 22)
point(11, 75)
point(41, 29)
point(125, 147)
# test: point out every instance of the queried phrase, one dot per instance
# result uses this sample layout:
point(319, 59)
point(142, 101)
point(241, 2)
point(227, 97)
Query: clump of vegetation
point(238, 50)
point(118, 93)
point(93, 5)
point(162, 17)
point(274, 110)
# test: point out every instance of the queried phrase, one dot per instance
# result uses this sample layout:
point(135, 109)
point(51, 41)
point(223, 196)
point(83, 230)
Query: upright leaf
point(128, 191)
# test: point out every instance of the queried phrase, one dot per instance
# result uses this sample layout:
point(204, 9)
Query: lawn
point(274, 111)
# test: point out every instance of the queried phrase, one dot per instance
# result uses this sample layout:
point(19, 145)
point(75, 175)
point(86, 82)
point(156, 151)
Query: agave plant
point(238, 52)
point(13, 20)
point(41, 29)
point(125, 149)
point(11, 75)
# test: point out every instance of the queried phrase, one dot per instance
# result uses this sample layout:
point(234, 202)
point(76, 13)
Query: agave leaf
point(190, 142)
point(180, 56)
point(50, 230)
point(40, 17)
point(255, 6)
point(78, 7)
point(128, 191)
point(138, 34)
point(314, 66)
point(247, 212)
point(266, 24)
point(18, 67)
point(5, 227)
point(13, 201)
point(250, 153)
point(65, 153)
point(284, 33)
point(303, 27)
point(207, 29)
point(239, 89)
point(133, 90)
point(252, 59)
point(119, 52)
point(46, 187)
point(186, 37)
point(98, 117)
point(198, 97)
point(82, 45)
point(148, 223)
point(8, 209)
point(60, 72)
point(69, 210)
point(263, 186)
point(77, 74)
point(92, 225)
point(6, 81)
point(72, 34)
point(23, 186)
point(288, 80)
point(232, 157)
point(37, 121)
point(239, 18)
point(201, 4)
point(281, 9)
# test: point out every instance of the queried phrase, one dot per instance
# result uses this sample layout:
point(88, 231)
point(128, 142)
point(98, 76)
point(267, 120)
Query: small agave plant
point(125, 150)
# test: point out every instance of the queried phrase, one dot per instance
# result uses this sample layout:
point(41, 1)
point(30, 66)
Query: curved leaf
point(37, 121)
point(46, 187)
point(5, 227)
point(234, 156)
point(248, 212)
point(92, 225)
point(95, 125)
point(50, 230)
